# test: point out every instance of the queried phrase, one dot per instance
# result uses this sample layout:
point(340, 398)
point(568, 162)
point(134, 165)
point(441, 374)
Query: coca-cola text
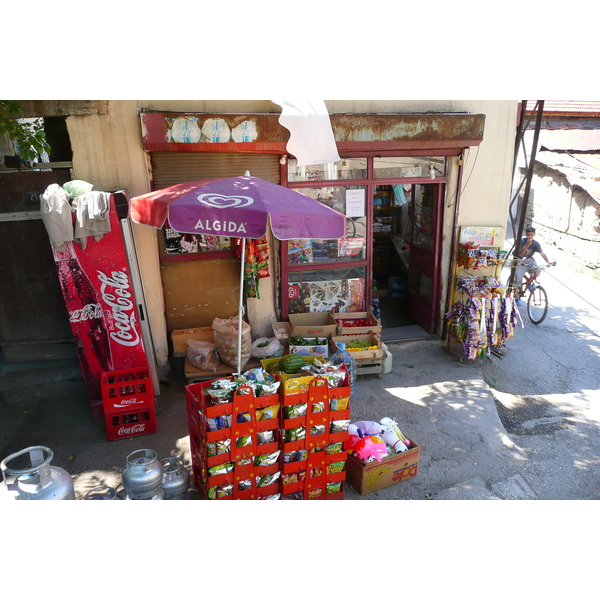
point(139, 428)
point(122, 307)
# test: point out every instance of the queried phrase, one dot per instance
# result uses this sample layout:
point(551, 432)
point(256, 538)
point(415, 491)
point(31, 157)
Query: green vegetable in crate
point(291, 363)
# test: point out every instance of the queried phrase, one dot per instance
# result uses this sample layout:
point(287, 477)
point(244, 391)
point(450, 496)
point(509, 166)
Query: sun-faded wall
point(108, 152)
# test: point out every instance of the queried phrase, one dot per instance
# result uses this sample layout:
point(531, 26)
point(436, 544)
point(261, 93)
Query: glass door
point(423, 259)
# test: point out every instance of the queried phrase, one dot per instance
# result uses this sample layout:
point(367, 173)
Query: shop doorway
point(406, 245)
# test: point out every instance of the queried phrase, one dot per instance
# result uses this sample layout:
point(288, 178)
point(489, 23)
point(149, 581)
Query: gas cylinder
point(143, 475)
point(176, 478)
point(102, 492)
point(39, 480)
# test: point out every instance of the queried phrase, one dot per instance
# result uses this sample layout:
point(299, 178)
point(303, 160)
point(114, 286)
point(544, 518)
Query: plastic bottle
point(342, 356)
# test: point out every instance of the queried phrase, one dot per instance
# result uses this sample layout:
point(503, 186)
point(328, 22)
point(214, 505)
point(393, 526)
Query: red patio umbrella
point(238, 207)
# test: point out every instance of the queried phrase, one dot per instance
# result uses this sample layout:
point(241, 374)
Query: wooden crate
point(364, 337)
point(179, 336)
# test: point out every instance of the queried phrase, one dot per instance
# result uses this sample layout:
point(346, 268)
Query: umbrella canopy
point(238, 207)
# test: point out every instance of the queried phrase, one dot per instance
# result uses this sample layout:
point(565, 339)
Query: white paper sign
point(355, 203)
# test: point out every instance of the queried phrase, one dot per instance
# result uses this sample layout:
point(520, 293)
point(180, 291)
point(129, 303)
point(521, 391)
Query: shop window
point(341, 290)
point(195, 246)
point(348, 200)
point(408, 166)
point(347, 168)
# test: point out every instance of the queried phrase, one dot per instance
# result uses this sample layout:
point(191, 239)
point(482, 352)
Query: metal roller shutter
point(170, 168)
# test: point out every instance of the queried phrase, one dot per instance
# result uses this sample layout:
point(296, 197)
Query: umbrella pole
point(241, 309)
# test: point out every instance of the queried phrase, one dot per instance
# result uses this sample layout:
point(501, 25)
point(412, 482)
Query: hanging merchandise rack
point(483, 318)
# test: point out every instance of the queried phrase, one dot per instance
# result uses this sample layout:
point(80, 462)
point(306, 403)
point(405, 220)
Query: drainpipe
point(453, 248)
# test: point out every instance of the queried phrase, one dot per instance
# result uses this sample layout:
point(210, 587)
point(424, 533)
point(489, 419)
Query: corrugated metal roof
point(568, 107)
point(570, 140)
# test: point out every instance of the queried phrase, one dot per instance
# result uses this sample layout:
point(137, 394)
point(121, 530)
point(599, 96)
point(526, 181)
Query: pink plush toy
point(368, 450)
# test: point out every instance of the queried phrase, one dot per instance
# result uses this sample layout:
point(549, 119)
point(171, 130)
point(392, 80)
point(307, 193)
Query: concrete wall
point(565, 216)
point(108, 152)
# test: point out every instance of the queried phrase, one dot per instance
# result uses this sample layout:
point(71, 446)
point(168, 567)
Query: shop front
point(392, 183)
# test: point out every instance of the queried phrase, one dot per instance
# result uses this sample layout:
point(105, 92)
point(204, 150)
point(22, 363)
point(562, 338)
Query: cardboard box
point(281, 330)
point(364, 337)
point(370, 477)
point(179, 336)
point(312, 324)
point(311, 349)
point(375, 326)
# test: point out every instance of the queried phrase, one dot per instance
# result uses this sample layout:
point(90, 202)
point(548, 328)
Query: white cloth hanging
point(311, 135)
point(92, 212)
point(57, 216)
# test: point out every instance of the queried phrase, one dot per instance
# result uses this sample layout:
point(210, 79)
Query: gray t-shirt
point(535, 247)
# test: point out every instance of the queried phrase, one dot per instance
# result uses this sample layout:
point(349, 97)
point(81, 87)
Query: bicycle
point(537, 301)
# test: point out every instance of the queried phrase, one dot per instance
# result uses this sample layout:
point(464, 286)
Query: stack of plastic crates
point(128, 402)
point(314, 427)
point(235, 445)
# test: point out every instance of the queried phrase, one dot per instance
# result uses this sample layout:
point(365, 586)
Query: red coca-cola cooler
point(98, 289)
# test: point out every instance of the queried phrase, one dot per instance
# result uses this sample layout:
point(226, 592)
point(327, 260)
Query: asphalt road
point(547, 387)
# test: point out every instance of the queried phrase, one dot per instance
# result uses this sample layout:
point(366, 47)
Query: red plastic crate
point(199, 413)
point(312, 479)
point(126, 390)
point(120, 425)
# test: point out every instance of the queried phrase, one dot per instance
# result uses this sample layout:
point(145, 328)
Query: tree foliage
point(29, 136)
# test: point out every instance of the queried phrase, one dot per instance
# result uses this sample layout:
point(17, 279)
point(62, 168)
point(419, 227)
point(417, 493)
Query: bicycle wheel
point(537, 305)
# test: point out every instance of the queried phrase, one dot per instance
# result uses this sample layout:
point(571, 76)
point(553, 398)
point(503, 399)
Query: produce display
point(356, 345)
point(354, 322)
point(298, 340)
point(291, 363)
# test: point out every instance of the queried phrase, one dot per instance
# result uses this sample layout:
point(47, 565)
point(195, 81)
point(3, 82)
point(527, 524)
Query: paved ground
point(521, 427)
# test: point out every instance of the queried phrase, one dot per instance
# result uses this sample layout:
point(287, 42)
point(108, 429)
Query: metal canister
point(158, 495)
point(176, 478)
point(101, 492)
point(143, 475)
point(38, 481)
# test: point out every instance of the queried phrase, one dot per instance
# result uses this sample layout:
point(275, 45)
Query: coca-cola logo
point(115, 292)
point(126, 402)
point(89, 311)
point(139, 428)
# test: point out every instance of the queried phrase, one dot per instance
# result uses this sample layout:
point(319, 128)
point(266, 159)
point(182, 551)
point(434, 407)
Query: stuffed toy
point(362, 428)
point(369, 451)
point(392, 435)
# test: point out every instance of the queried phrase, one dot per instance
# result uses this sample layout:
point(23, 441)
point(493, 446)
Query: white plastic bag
point(266, 348)
point(226, 340)
point(202, 355)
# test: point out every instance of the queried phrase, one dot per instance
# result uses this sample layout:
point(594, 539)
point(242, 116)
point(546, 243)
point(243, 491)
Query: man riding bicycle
point(527, 249)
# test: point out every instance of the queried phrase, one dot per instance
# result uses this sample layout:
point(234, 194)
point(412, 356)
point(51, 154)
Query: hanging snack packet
point(334, 487)
point(266, 460)
point(265, 437)
point(269, 412)
point(295, 434)
point(265, 480)
point(220, 469)
point(339, 426)
point(336, 467)
point(219, 447)
point(295, 410)
point(220, 491)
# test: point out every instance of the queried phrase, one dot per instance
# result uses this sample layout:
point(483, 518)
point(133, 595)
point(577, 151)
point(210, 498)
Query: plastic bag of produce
point(202, 355)
point(226, 340)
point(266, 348)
